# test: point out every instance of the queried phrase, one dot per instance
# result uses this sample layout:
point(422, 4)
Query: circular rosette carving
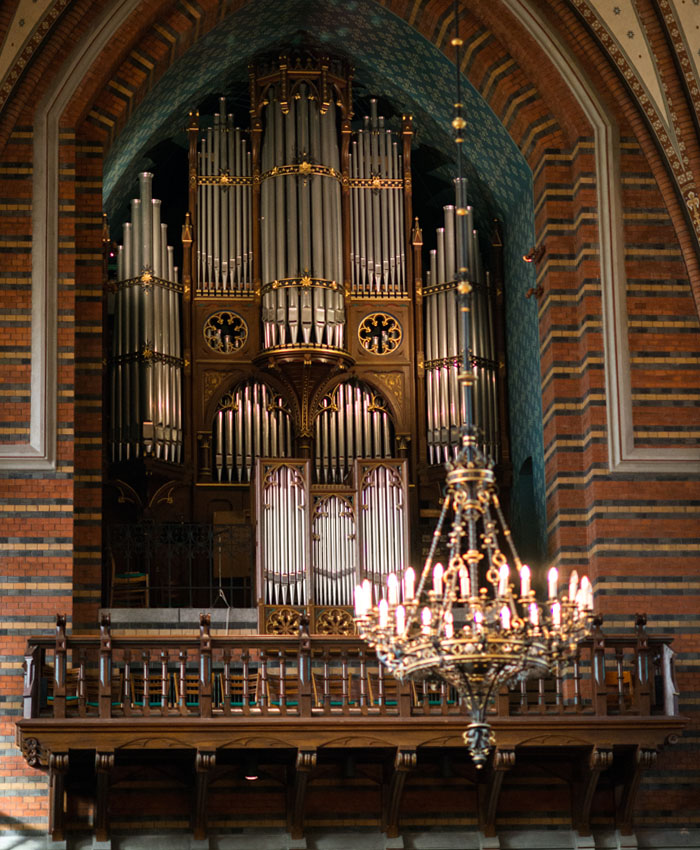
point(335, 621)
point(380, 333)
point(225, 332)
point(283, 621)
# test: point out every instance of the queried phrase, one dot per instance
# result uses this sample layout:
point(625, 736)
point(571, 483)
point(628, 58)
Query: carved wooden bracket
point(306, 762)
point(104, 764)
point(35, 755)
point(404, 762)
point(204, 763)
point(489, 792)
point(640, 760)
point(58, 767)
point(593, 764)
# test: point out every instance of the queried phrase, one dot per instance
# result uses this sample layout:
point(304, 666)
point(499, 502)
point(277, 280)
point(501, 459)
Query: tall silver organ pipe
point(251, 421)
point(224, 209)
point(353, 422)
point(146, 363)
point(378, 252)
point(444, 344)
point(283, 528)
point(382, 491)
point(301, 225)
point(333, 550)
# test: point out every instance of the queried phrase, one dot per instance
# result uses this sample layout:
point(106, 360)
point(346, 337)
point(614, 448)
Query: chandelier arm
point(437, 534)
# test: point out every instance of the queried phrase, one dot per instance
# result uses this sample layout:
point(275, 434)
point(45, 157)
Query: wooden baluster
point(263, 681)
point(600, 696)
point(344, 685)
point(577, 679)
point(426, 698)
point(642, 690)
point(127, 685)
point(523, 697)
point(503, 702)
point(205, 665)
point(59, 668)
point(558, 685)
point(363, 681)
point(245, 658)
point(104, 697)
point(304, 667)
point(225, 696)
point(283, 682)
point(146, 657)
point(540, 695)
point(619, 657)
point(32, 676)
point(182, 681)
point(82, 685)
point(326, 685)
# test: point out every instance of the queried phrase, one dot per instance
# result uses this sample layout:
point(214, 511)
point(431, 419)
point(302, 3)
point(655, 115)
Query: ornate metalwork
point(334, 621)
point(283, 621)
point(380, 333)
point(225, 332)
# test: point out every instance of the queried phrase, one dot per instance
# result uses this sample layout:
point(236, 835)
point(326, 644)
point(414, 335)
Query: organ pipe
point(146, 361)
point(444, 344)
point(224, 209)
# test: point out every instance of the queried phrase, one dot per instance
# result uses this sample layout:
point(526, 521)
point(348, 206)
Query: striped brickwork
point(637, 534)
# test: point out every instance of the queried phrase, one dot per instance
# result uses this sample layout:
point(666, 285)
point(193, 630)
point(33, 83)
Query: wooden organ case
point(281, 410)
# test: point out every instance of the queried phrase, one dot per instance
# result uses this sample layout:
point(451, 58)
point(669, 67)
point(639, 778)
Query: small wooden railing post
point(503, 702)
point(59, 668)
point(642, 691)
point(105, 681)
point(600, 696)
point(32, 676)
point(304, 664)
point(205, 665)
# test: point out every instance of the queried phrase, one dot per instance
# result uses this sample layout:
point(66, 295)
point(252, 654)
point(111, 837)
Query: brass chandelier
point(475, 624)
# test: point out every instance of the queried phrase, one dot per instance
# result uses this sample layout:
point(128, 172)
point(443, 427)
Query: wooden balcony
point(225, 697)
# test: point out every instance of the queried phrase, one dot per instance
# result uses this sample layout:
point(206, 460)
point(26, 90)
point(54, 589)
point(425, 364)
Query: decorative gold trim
point(225, 180)
point(376, 183)
point(391, 336)
point(304, 281)
point(305, 169)
point(214, 324)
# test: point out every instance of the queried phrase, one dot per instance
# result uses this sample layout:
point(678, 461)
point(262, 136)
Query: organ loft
point(283, 386)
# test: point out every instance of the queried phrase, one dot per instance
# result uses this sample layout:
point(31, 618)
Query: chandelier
point(476, 623)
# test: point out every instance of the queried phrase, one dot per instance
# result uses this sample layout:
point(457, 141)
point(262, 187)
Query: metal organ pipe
point(146, 364)
point(224, 197)
point(443, 338)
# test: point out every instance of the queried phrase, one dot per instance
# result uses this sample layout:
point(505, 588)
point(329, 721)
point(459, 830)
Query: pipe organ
point(146, 361)
point(304, 371)
point(444, 345)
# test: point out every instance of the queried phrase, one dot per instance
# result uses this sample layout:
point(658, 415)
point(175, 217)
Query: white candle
point(573, 585)
point(409, 583)
point(426, 618)
point(449, 625)
point(534, 614)
point(505, 617)
point(367, 591)
point(524, 580)
point(556, 614)
point(553, 579)
point(359, 601)
point(383, 613)
point(392, 589)
point(503, 578)
point(400, 619)
point(464, 582)
point(438, 571)
point(478, 618)
point(587, 593)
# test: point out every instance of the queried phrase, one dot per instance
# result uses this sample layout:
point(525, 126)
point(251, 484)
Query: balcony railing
point(217, 676)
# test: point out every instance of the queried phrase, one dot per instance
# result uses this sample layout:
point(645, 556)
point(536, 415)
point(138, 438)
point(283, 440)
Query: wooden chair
point(382, 689)
point(619, 700)
point(333, 687)
point(155, 690)
point(129, 590)
point(292, 690)
point(237, 688)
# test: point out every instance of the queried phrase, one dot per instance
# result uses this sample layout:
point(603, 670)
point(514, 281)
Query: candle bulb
point(524, 580)
point(505, 617)
point(437, 578)
point(478, 618)
point(392, 589)
point(449, 625)
point(367, 592)
point(409, 583)
point(587, 593)
point(534, 614)
point(400, 619)
point(553, 579)
point(426, 618)
point(573, 585)
point(503, 578)
point(464, 582)
point(556, 614)
point(359, 601)
point(383, 613)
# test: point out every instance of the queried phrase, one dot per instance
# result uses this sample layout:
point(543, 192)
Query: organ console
point(300, 371)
